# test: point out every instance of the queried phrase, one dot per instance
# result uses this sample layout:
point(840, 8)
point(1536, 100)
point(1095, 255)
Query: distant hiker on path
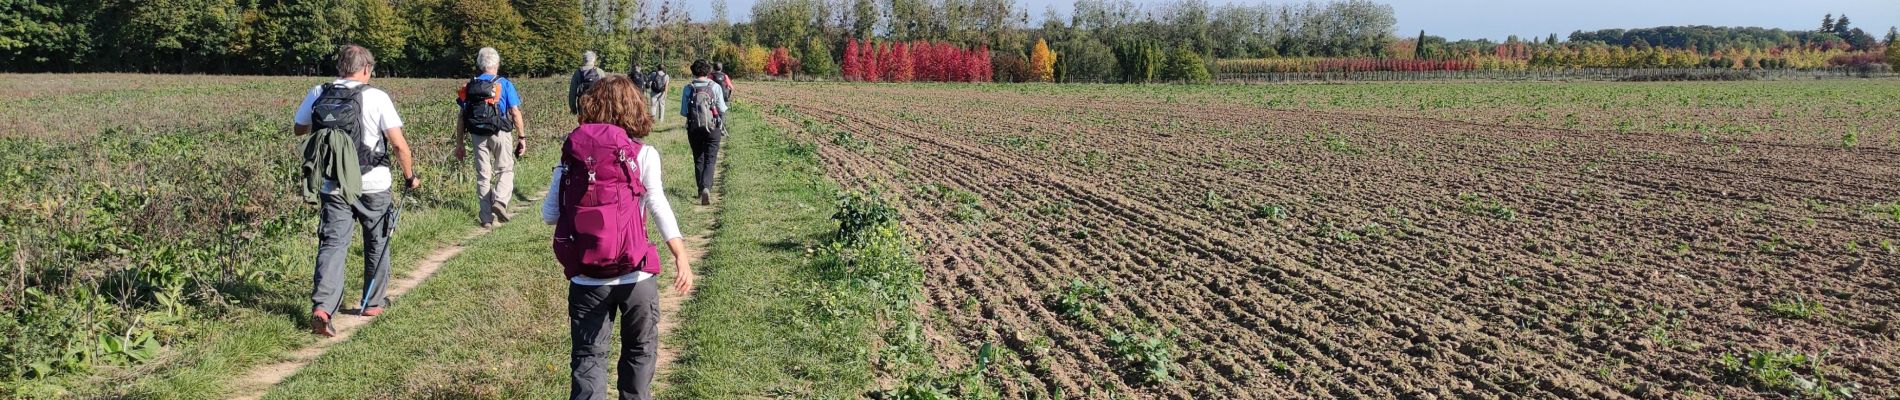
point(639, 77)
point(725, 82)
point(353, 130)
point(704, 107)
point(599, 199)
point(583, 78)
point(657, 94)
point(492, 119)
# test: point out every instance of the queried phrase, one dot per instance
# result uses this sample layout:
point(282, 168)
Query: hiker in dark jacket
point(657, 97)
point(588, 74)
point(380, 130)
point(725, 81)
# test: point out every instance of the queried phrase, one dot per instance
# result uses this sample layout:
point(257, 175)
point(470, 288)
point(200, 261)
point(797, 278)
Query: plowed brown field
point(1288, 252)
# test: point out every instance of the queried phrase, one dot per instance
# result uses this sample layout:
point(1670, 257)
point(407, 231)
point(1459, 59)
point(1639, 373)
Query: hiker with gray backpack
point(583, 79)
point(704, 106)
point(492, 118)
point(353, 130)
point(599, 200)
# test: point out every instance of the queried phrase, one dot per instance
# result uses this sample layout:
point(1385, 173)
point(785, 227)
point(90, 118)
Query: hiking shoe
point(502, 215)
point(705, 197)
point(487, 225)
point(320, 323)
point(372, 311)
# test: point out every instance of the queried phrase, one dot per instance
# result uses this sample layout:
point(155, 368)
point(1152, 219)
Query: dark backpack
point(725, 85)
point(339, 108)
point(658, 82)
point(588, 78)
point(705, 108)
point(481, 107)
point(602, 230)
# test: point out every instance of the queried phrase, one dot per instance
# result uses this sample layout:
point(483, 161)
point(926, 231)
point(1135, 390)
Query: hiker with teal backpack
point(354, 129)
point(599, 200)
point(492, 119)
point(704, 106)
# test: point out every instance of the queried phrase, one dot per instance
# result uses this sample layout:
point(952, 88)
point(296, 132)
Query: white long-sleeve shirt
point(658, 209)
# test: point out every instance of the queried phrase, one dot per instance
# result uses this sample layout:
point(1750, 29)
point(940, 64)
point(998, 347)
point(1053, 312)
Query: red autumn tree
point(780, 63)
point(903, 68)
point(920, 61)
point(851, 69)
point(953, 61)
point(885, 65)
point(868, 66)
point(979, 65)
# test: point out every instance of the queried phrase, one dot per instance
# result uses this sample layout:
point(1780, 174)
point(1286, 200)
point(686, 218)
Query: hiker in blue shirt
point(492, 119)
point(704, 136)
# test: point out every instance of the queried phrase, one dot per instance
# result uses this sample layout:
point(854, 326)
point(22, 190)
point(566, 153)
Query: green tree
point(1138, 60)
point(377, 28)
point(1893, 55)
point(43, 35)
point(558, 36)
point(1085, 59)
point(184, 35)
point(491, 23)
point(608, 32)
point(1185, 66)
point(815, 58)
point(864, 18)
point(294, 37)
point(430, 48)
point(1420, 51)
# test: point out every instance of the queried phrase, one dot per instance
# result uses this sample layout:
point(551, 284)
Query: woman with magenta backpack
point(601, 195)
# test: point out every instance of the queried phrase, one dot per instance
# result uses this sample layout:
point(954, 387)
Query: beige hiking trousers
point(494, 160)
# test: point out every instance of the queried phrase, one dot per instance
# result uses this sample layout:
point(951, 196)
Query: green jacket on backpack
point(330, 155)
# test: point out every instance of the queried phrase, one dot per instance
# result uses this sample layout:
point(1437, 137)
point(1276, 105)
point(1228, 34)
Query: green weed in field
point(1151, 355)
point(1796, 307)
point(1790, 372)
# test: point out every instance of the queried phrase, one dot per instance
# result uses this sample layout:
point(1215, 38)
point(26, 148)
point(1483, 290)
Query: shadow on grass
point(795, 245)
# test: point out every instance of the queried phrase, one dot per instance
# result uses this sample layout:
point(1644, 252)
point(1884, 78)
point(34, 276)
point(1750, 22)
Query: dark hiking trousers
point(591, 311)
point(377, 215)
point(705, 144)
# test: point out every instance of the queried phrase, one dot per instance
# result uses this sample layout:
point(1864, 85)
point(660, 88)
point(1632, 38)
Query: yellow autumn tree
point(1043, 60)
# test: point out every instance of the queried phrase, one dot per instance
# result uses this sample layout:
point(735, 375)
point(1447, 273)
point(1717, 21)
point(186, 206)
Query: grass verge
point(746, 332)
point(809, 293)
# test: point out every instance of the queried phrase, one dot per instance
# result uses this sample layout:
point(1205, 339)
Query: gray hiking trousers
point(591, 311)
point(377, 216)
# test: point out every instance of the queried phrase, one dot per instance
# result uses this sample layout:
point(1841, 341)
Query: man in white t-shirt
point(374, 209)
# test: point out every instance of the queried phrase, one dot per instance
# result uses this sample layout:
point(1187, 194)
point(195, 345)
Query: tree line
point(1097, 41)
point(540, 37)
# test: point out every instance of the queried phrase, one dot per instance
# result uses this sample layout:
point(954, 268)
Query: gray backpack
point(705, 108)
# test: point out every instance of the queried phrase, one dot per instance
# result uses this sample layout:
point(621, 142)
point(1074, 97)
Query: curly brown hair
point(614, 100)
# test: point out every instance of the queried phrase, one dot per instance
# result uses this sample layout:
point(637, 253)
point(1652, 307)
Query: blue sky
point(1495, 19)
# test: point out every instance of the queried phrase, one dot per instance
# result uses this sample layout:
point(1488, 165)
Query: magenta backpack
point(602, 229)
